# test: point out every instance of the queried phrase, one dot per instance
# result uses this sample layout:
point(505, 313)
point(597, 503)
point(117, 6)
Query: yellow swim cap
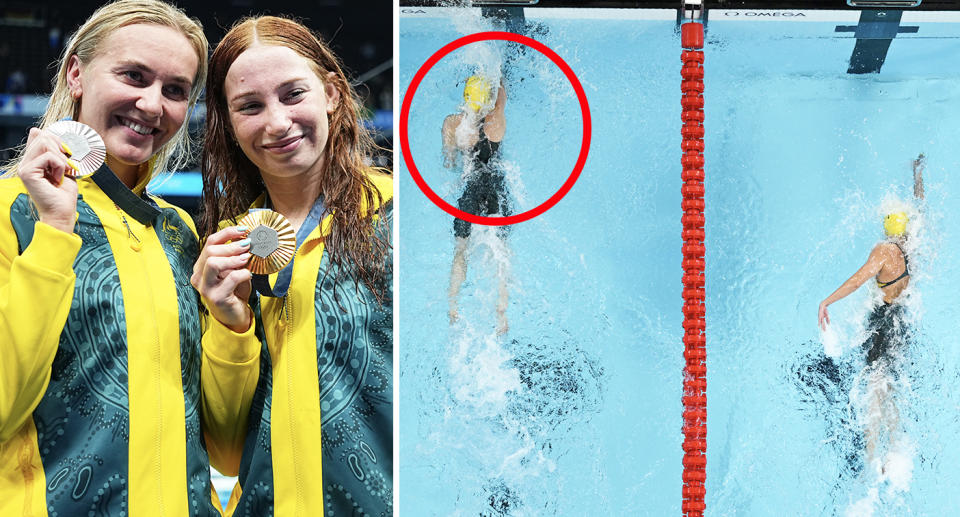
point(895, 224)
point(477, 92)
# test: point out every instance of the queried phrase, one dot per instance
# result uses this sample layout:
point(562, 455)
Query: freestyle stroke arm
point(918, 166)
point(867, 271)
point(449, 135)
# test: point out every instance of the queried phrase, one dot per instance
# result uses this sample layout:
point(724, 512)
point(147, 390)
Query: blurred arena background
point(33, 34)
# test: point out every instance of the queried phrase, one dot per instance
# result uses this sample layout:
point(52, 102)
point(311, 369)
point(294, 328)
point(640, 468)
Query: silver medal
point(87, 147)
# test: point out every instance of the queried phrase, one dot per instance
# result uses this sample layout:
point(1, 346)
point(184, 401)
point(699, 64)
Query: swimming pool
point(577, 410)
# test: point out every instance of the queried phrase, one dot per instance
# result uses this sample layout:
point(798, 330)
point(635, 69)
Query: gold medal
point(84, 144)
point(272, 241)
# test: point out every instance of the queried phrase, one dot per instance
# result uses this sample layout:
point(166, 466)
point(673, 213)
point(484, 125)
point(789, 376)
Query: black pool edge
point(838, 5)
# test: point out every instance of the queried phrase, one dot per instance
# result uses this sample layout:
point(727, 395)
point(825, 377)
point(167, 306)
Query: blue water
point(576, 410)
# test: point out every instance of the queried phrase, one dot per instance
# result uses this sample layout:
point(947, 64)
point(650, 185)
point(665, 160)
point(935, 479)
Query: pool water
point(576, 410)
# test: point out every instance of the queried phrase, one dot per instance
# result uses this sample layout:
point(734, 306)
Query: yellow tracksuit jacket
point(100, 402)
point(320, 435)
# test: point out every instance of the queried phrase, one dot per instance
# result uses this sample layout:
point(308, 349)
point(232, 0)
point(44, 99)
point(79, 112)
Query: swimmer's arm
point(501, 100)
point(449, 134)
point(496, 122)
point(866, 272)
point(918, 166)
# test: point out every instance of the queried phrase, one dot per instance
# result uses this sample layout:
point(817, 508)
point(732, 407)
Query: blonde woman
point(100, 363)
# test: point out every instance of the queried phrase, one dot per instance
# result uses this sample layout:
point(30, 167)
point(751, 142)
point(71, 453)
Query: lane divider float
point(694, 397)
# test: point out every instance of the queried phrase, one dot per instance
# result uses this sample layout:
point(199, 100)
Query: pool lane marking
point(874, 32)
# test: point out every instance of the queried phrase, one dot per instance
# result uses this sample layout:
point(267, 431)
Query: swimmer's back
point(492, 130)
point(893, 272)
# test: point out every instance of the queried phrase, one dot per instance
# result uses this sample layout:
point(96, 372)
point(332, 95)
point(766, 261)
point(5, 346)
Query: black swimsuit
point(886, 326)
point(887, 330)
point(486, 190)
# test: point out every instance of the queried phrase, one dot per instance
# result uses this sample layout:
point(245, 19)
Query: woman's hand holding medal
point(47, 172)
point(221, 277)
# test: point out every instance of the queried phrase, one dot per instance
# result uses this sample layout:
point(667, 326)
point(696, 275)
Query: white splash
point(898, 465)
point(864, 507)
point(481, 375)
point(832, 342)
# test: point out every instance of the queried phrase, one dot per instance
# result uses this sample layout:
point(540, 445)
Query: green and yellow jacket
point(320, 438)
point(100, 402)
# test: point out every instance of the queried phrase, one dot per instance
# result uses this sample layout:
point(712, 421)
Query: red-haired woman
point(283, 132)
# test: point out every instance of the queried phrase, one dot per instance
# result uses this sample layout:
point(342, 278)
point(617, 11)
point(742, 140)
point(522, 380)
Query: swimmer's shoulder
point(452, 121)
point(889, 247)
point(887, 250)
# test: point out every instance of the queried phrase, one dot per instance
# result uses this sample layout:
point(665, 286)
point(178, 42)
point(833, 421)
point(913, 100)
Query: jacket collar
point(138, 207)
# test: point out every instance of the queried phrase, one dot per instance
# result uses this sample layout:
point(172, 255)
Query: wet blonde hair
point(85, 44)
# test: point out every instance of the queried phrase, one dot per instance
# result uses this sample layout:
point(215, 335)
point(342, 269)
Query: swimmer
point(887, 329)
point(475, 135)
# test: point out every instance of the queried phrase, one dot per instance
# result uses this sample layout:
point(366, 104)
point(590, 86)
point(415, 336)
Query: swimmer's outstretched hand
point(918, 166)
point(823, 317)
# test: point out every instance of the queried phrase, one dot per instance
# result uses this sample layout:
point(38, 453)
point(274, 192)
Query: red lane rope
point(694, 325)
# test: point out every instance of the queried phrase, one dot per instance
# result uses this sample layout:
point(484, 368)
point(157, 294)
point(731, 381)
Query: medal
point(83, 142)
point(272, 241)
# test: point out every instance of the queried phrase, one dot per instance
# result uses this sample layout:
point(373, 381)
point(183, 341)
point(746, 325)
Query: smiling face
point(135, 91)
point(278, 109)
